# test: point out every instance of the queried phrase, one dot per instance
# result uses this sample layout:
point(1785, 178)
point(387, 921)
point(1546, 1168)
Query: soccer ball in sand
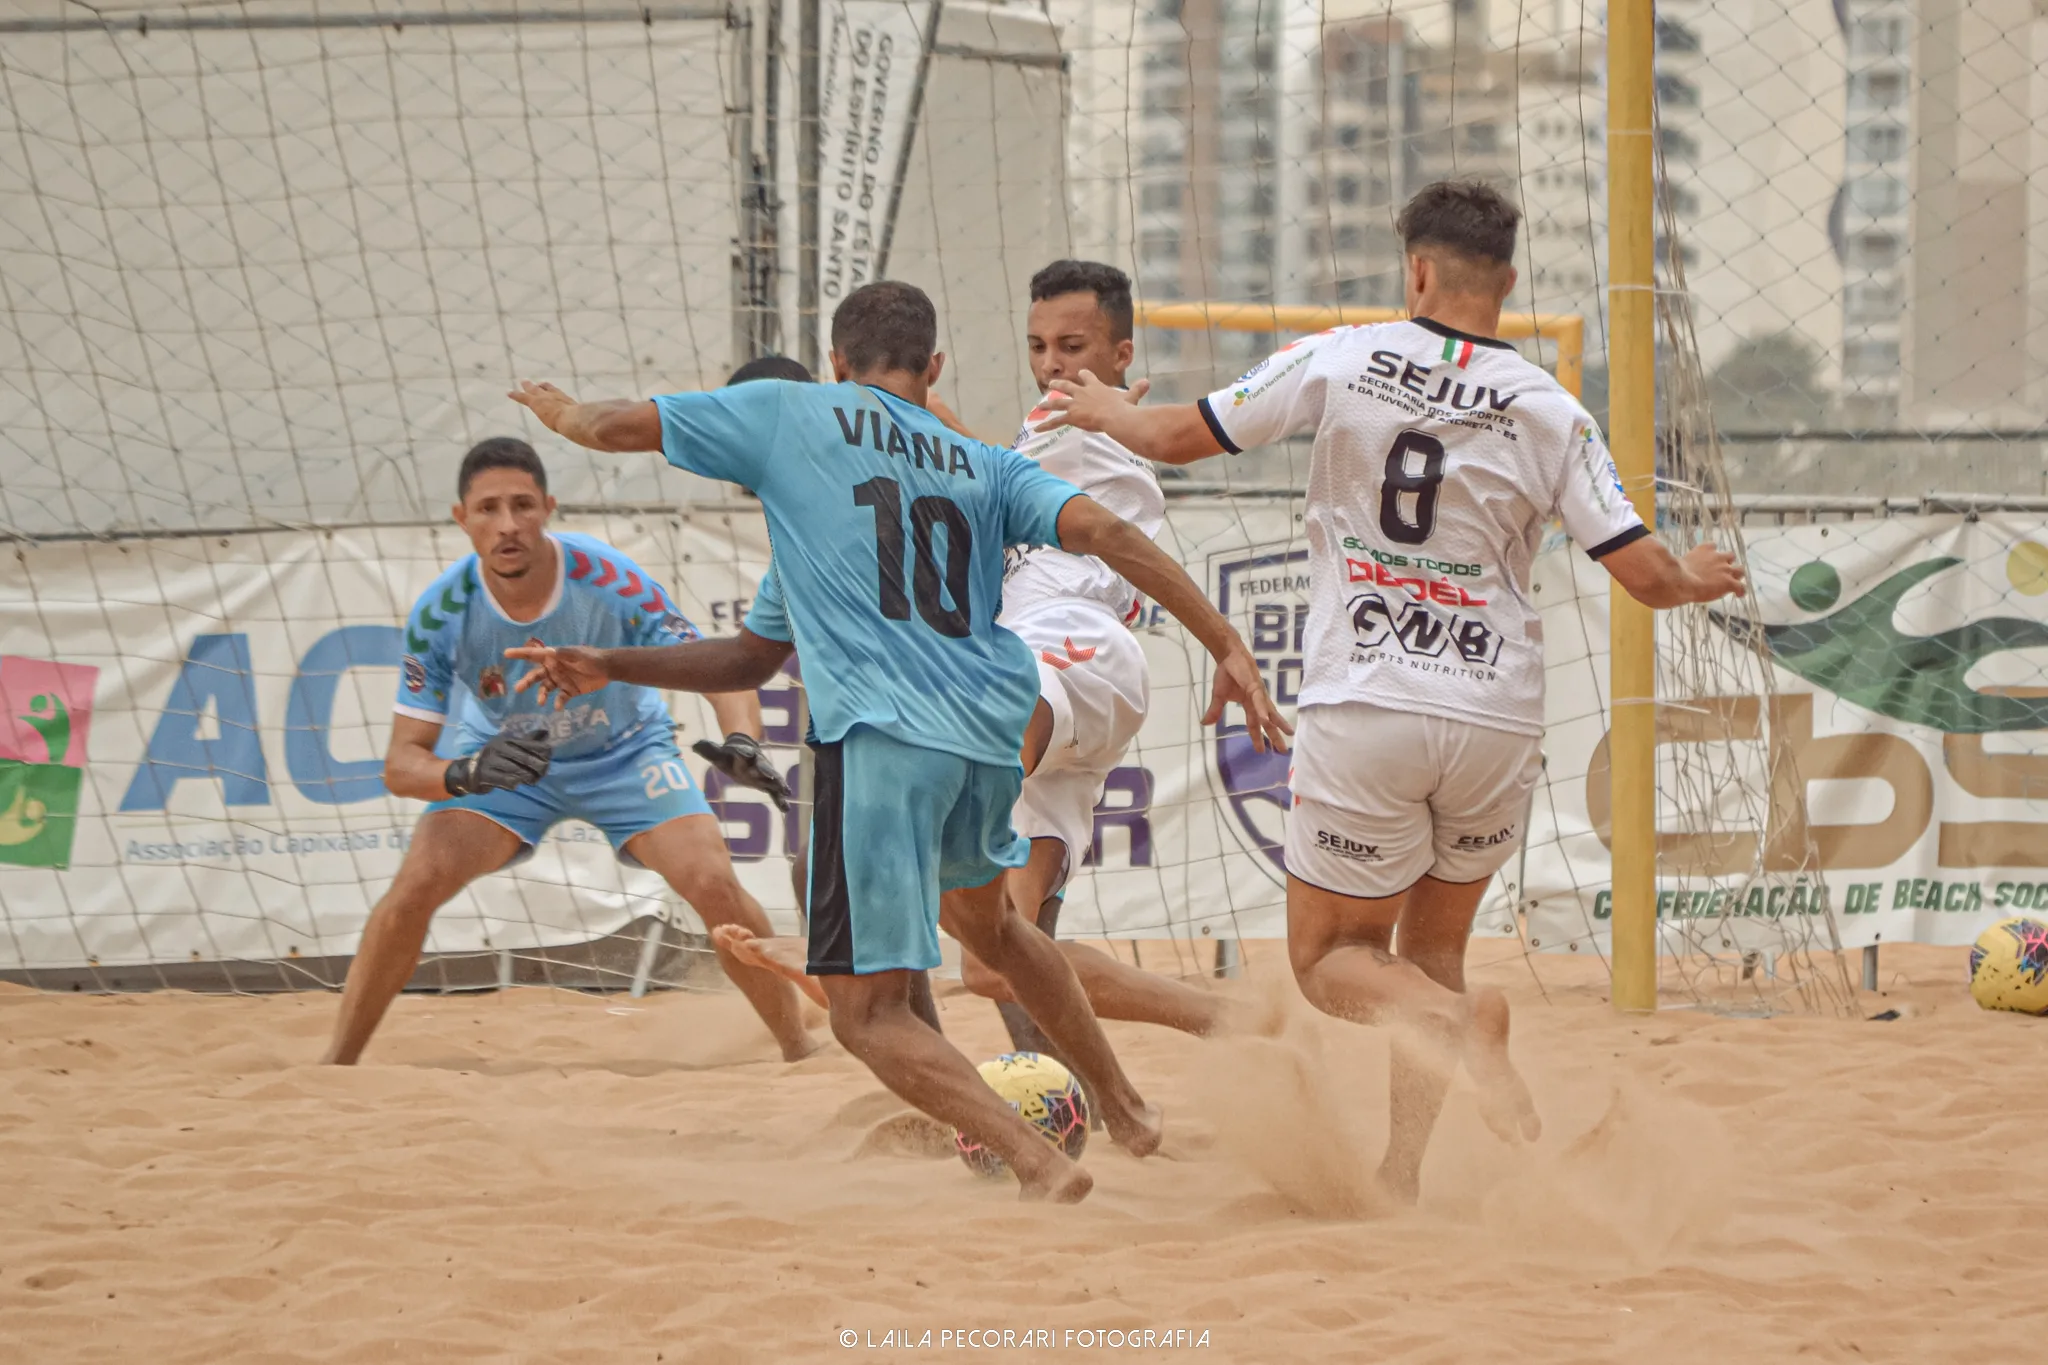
point(1044, 1094)
point(2009, 967)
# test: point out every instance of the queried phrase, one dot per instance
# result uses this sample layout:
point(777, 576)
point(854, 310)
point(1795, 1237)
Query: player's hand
point(506, 761)
point(1238, 680)
point(1087, 402)
point(1714, 572)
point(740, 758)
point(546, 401)
point(564, 672)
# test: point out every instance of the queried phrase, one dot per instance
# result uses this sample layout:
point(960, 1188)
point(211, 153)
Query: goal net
point(269, 270)
point(268, 275)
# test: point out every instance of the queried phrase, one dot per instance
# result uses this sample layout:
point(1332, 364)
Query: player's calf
point(449, 850)
point(1115, 990)
point(690, 854)
point(1041, 980)
point(872, 1019)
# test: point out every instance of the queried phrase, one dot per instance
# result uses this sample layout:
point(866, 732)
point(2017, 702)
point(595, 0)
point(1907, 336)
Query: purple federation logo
point(1264, 592)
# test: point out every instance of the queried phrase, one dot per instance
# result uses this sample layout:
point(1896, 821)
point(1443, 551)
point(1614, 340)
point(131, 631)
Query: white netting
point(267, 272)
point(277, 276)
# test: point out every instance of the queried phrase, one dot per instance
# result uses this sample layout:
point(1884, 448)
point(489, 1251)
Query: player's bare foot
point(1504, 1099)
point(1061, 1182)
point(1138, 1131)
point(783, 956)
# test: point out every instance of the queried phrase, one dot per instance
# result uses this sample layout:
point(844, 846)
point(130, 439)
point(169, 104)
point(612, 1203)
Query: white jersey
point(1106, 472)
point(1439, 459)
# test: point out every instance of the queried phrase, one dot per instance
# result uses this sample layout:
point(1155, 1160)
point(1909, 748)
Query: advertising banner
point(192, 732)
point(868, 78)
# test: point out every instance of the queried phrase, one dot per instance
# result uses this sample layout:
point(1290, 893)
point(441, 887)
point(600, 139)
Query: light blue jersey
point(455, 672)
point(888, 533)
point(768, 614)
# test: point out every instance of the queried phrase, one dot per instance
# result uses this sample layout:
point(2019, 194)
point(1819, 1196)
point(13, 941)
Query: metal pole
point(1870, 968)
point(650, 949)
point(178, 21)
point(768, 340)
point(747, 194)
point(1632, 429)
point(808, 166)
point(806, 801)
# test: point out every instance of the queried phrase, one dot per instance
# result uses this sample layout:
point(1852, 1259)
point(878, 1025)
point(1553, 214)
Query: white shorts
point(1383, 798)
point(1092, 674)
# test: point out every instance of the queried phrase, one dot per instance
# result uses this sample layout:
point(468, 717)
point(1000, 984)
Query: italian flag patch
point(1458, 351)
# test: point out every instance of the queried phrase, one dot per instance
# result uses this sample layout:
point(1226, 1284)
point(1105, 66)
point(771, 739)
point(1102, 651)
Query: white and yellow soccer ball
point(2009, 967)
point(1044, 1094)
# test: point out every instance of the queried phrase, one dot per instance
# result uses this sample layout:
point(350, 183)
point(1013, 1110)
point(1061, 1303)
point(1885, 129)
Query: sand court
point(542, 1176)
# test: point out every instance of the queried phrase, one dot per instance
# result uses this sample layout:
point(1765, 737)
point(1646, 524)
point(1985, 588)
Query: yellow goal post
point(1565, 331)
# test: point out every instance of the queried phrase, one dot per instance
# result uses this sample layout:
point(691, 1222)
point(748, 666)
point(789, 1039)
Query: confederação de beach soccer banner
point(1911, 669)
point(1911, 678)
point(191, 733)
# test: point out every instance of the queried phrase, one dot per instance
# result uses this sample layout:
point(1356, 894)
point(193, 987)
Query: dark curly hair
point(886, 325)
point(1110, 286)
point(499, 452)
point(1468, 217)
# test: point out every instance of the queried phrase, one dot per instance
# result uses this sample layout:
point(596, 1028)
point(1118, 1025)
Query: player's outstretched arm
point(731, 663)
point(1172, 433)
point(619, 425)
point(737, 713)
point(1086, 527)
point(1651, 574)
point(411, 767)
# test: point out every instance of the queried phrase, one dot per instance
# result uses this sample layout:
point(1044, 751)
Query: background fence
point(266, 269)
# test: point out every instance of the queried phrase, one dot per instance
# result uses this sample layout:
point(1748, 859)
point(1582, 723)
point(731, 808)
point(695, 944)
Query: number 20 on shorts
point(663, 778)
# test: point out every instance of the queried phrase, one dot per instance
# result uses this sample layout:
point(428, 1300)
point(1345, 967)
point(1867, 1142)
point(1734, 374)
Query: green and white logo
point(1858, 652)
point(45, 714)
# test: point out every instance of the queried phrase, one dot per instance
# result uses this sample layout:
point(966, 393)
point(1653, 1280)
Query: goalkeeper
point(500, 771)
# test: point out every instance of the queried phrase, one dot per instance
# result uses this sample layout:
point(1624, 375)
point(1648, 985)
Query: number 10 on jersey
point(885, 497)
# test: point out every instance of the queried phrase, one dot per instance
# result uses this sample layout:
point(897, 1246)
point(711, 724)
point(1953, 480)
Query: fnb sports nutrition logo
point(45, 714)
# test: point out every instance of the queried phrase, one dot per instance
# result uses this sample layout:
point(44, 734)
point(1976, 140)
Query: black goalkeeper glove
point(740, 758)
point(505, 761)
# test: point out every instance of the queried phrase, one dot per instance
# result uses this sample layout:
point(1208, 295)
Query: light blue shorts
point(624, 792)
point(894, 826)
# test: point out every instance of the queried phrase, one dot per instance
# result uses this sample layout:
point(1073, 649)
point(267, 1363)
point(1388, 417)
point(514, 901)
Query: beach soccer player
point(1075, 614)
point(888, 533)
point(500, 769)
point(787, 955)
point(1440, 456)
